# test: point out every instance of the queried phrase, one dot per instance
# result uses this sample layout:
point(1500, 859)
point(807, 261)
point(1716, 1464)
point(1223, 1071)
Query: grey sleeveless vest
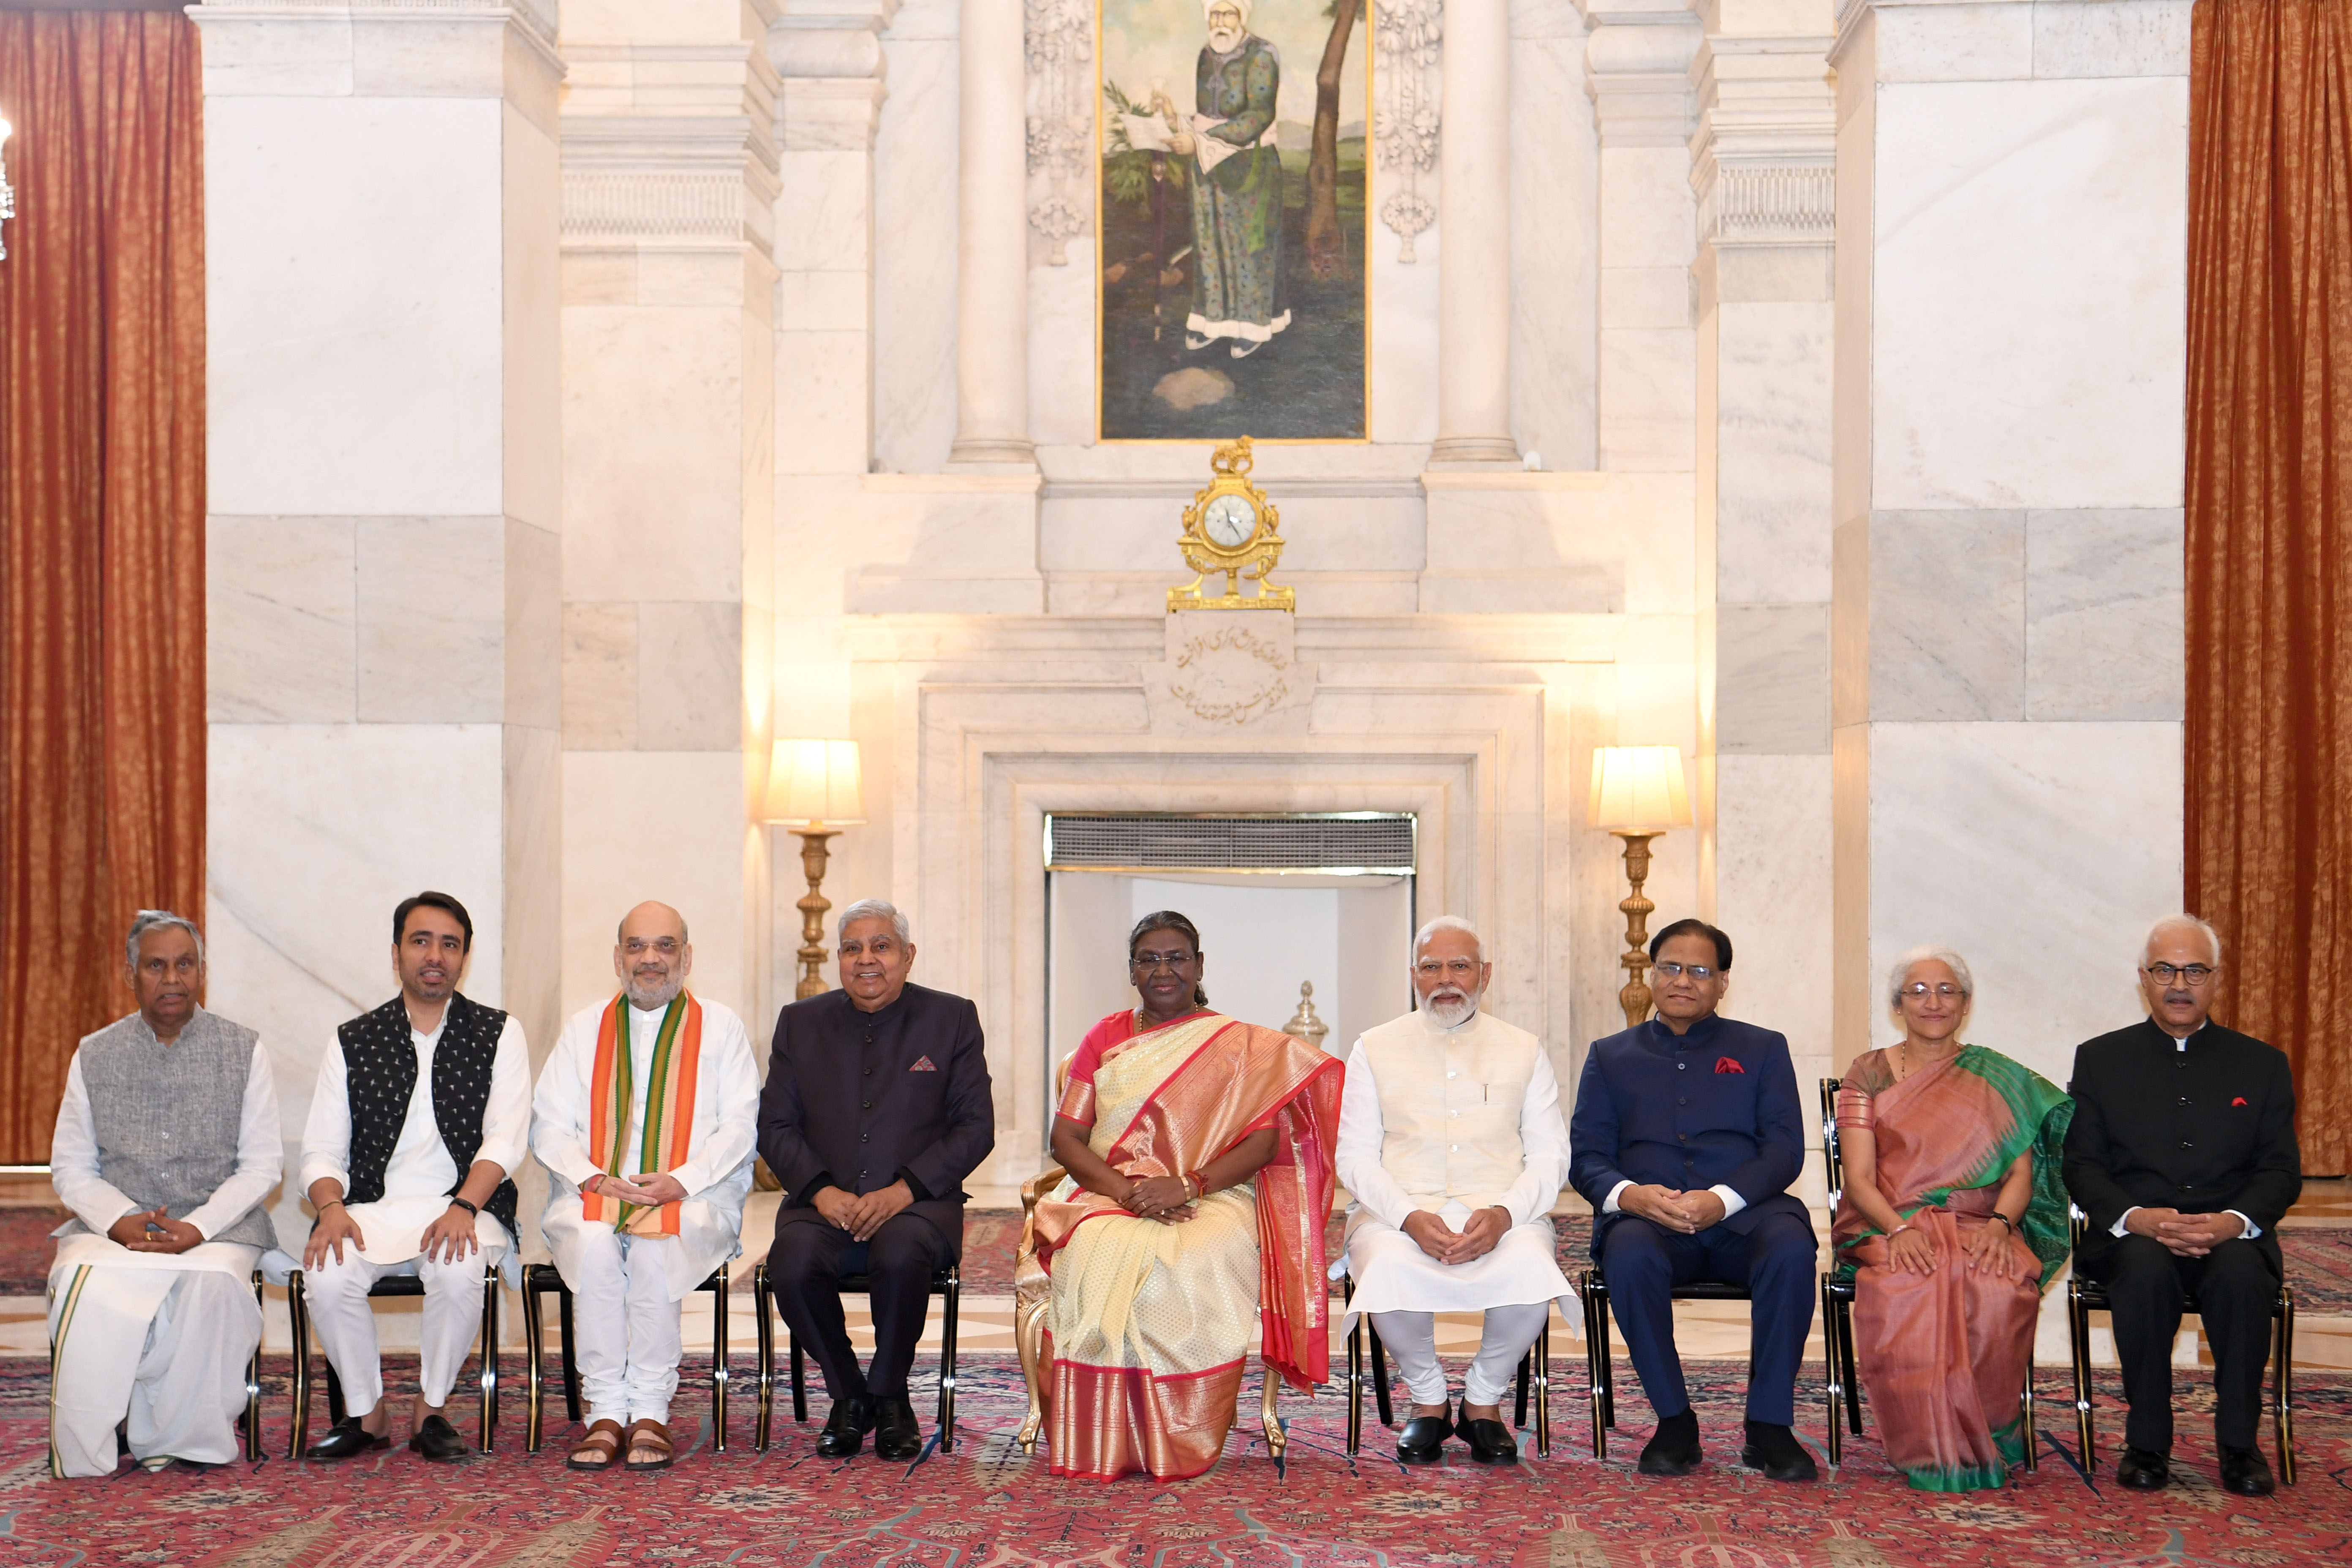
point(167, 1117)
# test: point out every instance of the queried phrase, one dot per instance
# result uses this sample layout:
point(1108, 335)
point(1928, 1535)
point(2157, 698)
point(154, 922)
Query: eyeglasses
point(1700, 971)
point(1944, 990)
point(1147, 962)
point(1452, 968)
point(2190, 975)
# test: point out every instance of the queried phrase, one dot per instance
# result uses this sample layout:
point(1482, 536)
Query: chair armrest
point(1038, 1186)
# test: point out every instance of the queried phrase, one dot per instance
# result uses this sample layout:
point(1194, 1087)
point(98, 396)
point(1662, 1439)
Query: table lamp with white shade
point(1637, 795)
point(815, 791)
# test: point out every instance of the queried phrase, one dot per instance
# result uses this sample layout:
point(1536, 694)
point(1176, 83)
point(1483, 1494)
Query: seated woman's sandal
point(649, 1446)
point(598, 1449)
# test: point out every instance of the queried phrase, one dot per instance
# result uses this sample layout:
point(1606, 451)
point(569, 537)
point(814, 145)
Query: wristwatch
point(457, 1202)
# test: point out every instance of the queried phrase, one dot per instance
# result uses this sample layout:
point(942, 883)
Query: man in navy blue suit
point(1686, 1137)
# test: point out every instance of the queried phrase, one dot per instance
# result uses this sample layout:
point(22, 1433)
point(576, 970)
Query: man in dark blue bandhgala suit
point(1685, 1138)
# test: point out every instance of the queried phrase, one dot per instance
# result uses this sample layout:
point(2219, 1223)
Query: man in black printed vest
point(421, 1110)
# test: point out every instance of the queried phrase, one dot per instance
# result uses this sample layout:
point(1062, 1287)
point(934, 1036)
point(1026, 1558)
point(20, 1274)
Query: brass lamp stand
point(813, 907)
point(1635, 997)
point(1637, 795)
point(814, 790)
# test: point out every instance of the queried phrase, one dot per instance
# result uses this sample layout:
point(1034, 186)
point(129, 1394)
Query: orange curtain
point(101, 526)
point(2269, 744)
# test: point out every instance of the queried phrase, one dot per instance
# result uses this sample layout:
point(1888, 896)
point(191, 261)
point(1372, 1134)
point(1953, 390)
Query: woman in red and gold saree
point(1952, 1222)
point(1200, 1153)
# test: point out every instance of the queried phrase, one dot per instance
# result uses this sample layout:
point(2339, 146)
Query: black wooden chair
point(543, 1280)
point(2085, 1297)
point(252, 1419)
point(946, 1283)
point(1368, 1362)
point(391, 1287)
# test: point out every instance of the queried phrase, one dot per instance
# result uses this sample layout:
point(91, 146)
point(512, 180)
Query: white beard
point(648, 1000)
point(1452, 1012)
point(1225, 41)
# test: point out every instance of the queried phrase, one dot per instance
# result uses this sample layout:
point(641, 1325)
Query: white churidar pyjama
point(193, 1327)
point(1412, 1339)
point(337, 1297)
point(625, 1324)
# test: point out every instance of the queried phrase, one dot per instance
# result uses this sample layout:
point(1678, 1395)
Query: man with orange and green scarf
point(644, 1116)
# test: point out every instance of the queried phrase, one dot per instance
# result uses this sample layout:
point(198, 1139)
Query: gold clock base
point(1272, 598)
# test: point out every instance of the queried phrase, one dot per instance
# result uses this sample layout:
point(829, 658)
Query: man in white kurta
point(1452, 1145)
point(627, 1282)
point(420, 1116)
point(166, 1147)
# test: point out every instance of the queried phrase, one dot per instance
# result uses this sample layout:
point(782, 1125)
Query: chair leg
point(253, 1384)
point(572, 1403)
point(765, 1339)
point(800, 1379)
point(1356, 1382)
point(534, 1350)
point(1543, 1387)
point(1830, 1376)
point(951, 1295)
point(1381, 1400)
point(298, 1319)
point(2283, 1405)
point(1852, 1375)
point(1275, 1440)
point(489, 1359)
point(719, 1371)
point(2025, 1416)
point(2078, 1338)
point(1519, 1390)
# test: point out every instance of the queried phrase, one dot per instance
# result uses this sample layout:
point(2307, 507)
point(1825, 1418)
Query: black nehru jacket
point(857, 1101)
point(2202, 1129)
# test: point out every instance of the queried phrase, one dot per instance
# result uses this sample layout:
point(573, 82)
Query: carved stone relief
point(1229, 672)
point(1060, 40)
point(1406, 34)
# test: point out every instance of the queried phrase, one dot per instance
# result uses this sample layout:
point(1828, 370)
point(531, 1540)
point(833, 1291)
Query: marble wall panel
point(830, 225)
point(1555, 237)
point(2104, 614)
point(821, 392)
point(1404, 327)
point(1063, 403)
point(1650, 377)
point(2072, 841)
point(1947, 608)
point(1645, 297)
point(1646, 206)
point(531, 341)
point(1989, 42)
point(533, 584)
point(280, 624)
point(1772, 680)
point(1771, 367)
point(600, 675)
point(533, 829)
point(914, 243)
point(1635, 526)
point(1773, 893)
point(2027, 336)
point(432, 619)
point(295, 56)
point(2111, 37)
point(381, 395)
point(689, 677)
point(1851, 429)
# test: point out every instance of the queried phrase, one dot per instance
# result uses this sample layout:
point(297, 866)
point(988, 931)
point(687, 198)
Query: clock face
point(1229, 521)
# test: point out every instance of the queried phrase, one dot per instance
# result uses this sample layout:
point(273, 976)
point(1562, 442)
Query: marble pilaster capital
point(1763, 149)
point(1637, 70)
point(670, 143)
point(828, 53)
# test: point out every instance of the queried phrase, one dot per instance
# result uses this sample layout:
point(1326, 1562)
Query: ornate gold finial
point(1304, 1024)
point(1232, 528)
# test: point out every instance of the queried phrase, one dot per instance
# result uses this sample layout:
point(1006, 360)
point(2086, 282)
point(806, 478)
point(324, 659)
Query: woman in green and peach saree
point(1953, 1221)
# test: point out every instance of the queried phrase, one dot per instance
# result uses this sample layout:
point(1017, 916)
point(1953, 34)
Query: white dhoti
point(626, 1290)
point(162, 1338)
point(1404, 1289)
point(337, 1297)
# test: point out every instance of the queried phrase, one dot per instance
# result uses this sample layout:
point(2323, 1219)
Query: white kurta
point(160, 1338)
point(1391, 1273)
point(417, 1182)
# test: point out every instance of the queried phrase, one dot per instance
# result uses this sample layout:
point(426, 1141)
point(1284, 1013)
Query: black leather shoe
point(896, 1435)
point(2143, 1471)
point(845, 1429)
point(1776, 1451)
point(1673, 1449)
point(437, 1440)
point(1491, 1442)
point(2246, 1472)
point(1422, 1441)
point(346, 1440)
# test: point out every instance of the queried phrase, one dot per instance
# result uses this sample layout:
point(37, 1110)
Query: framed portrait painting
point(1233, 296)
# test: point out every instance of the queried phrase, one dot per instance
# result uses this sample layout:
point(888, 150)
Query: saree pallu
point(1149, 1324)
point(1945, 1355)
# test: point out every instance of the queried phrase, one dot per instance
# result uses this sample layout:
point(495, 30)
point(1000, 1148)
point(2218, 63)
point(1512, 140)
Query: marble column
point(1761, 169)
point(992, 240)
point(1637, 68)
point(2008, 410)
point(1473, 228)
point(670, 186)
point(382, 555)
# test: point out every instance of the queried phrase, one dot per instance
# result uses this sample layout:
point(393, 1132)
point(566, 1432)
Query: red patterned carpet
point(988, 1505)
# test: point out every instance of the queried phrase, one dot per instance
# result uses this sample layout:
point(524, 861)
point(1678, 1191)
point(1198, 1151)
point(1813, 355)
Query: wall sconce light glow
point(7, 191)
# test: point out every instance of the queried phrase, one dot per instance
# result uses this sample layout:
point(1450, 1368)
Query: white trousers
point(1412, 1339)
point(337, 1297)
point(626, 1328)
point(182, 1387)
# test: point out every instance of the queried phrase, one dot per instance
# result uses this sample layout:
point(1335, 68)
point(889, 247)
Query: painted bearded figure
point(1237, 186)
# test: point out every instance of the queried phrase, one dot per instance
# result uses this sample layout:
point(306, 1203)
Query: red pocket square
point(923, 1064)
point(1725, 1064)
point(2239, 1100)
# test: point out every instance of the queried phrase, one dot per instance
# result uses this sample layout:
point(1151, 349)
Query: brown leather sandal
point(649, 1437)
point(598, 1449)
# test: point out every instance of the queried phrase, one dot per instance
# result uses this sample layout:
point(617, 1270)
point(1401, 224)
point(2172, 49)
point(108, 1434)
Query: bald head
point(651, 955)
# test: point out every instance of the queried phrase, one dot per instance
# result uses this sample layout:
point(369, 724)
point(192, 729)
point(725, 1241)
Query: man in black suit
point(2183, 1156)
point(878, 1106)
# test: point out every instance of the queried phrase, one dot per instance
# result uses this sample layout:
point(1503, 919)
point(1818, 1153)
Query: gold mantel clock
point(1230, 528)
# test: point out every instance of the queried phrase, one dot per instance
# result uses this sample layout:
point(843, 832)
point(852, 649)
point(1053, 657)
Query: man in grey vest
point(422, 1110)
point(166, 1147)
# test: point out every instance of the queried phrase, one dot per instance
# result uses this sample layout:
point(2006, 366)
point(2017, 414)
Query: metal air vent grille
point(1331, 844)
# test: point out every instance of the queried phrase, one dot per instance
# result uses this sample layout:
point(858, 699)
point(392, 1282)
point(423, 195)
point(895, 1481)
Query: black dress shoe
point(896, 1435)
point(346, 1440)
point(2246, 1472)
point(437, 1440)
point(845, 1429)
point(1776, 1451)
point(1491, 1442)
point(2143, 1471)
point(1422, 1441)
point(1673, 1449)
